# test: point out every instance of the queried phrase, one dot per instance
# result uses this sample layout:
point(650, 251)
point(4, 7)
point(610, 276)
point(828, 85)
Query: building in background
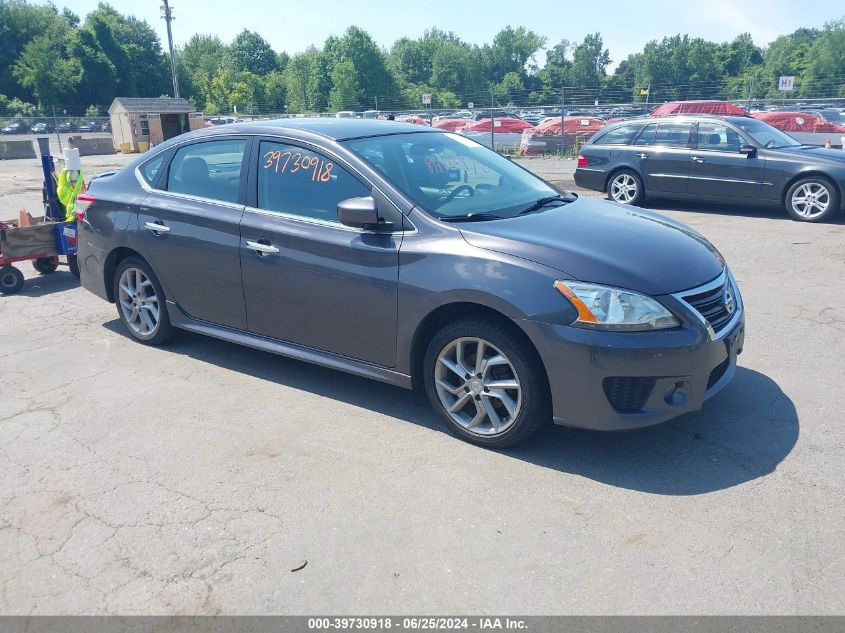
point(138, 123)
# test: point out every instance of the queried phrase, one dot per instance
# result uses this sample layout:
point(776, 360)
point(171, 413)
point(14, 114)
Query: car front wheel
point(812, 199)
point(486, 383)
point(140, 302)
point(626, 187)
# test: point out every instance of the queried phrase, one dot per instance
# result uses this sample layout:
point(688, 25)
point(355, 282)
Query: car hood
point(607, 243)
point(807, 153)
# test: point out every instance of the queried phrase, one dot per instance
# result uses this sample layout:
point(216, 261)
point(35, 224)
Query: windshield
point(450, 176)
point(764, 134)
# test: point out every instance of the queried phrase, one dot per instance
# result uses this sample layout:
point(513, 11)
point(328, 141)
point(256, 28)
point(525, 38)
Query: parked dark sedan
point(700, 157)
point(421, 259)
point(91, 126)
point(42, 128)
point(15, 128)
point(67, 127)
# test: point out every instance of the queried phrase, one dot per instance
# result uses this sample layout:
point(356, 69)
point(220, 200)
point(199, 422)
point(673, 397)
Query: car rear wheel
point(486, 383)
point(140, 302)
point(812, 199)
point(626, 187)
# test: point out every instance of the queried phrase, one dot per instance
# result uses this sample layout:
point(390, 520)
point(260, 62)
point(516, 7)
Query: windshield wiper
point(472, 217)
point(542, 202)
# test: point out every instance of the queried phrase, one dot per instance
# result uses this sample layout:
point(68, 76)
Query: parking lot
point(207, 478)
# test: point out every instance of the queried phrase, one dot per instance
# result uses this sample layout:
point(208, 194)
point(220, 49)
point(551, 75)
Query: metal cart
point(47, 243)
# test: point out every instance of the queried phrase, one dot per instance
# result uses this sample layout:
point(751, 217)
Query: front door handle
point(642, 155)
point(261, 248)
point(697, 159)
point(157, 228)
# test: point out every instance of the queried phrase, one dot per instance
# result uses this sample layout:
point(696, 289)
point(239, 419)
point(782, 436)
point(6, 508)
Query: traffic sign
point(426, 98)
point(470, 105)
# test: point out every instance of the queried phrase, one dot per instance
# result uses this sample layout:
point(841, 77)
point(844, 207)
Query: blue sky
point(626, 25)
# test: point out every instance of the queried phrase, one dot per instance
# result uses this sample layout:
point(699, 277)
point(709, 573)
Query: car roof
point(688, 117)
point(333, 129)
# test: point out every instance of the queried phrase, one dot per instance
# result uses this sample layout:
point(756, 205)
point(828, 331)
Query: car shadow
point(744, 210)
point(42, 285)
point(742, 434)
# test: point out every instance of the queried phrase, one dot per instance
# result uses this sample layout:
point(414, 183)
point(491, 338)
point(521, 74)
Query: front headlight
point(607, 308)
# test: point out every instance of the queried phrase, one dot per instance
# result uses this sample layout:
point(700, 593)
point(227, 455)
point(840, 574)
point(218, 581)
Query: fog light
point(674, 394)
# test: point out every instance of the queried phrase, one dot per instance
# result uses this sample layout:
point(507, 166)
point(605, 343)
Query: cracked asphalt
point(199, 478)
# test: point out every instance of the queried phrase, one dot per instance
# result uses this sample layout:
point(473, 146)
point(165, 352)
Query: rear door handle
point(642, 155)
point(155, 227)
point(261, 248)
point(697, 159)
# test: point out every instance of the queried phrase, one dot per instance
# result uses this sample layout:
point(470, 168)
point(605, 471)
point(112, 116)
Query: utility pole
point(562, 102)
point(167, 14)
point(750, 94)
point(647, 95)
point(492, 121)
point(376, 103)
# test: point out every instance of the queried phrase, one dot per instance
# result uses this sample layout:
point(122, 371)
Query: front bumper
point(613, 381)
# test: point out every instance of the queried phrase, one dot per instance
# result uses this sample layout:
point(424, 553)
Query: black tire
point(635, 197)
point(824, 191)
point(73, 265)
point(11, 280)
point(535, 408)
point(45, 265)
point(163, 330)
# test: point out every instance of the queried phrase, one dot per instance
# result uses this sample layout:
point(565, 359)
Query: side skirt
point(181, 320)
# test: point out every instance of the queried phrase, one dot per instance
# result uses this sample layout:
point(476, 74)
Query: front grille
point(627, 395)
point(717, 304)
point(718, 372)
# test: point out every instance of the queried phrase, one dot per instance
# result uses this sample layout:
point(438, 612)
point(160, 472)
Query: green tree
point(20, 23)
point(411, 60)
point(511, 89)
point(251, 53)
point(590, 60)
point(512, 50)
point(297, 76)
point(46, 70)
point(344, 93)
point(275, 92)
point(826, 63)
point(132, 45)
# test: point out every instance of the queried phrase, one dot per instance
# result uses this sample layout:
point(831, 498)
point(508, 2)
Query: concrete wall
point(17, 149)
point(92, 146)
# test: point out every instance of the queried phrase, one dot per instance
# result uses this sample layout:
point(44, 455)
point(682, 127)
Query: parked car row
point(65, 127)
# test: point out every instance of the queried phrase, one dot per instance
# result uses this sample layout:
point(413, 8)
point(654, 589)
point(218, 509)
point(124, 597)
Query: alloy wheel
point(138, 302)
point(623, 188)
point(478, 386)
point(810, 200)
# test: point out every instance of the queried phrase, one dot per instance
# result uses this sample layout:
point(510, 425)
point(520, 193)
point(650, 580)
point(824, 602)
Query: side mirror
point(358, 212)
point(748, 150)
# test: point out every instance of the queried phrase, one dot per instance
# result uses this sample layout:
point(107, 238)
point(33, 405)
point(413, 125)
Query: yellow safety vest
point(67, 190)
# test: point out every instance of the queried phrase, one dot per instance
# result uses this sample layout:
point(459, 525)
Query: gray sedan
point(735, 159)
point(421, 259)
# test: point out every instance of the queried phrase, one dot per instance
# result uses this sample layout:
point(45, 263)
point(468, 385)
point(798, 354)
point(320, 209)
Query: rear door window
point(673, 134)
point(622, 135)
point(150, 169)
point(210, 169)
